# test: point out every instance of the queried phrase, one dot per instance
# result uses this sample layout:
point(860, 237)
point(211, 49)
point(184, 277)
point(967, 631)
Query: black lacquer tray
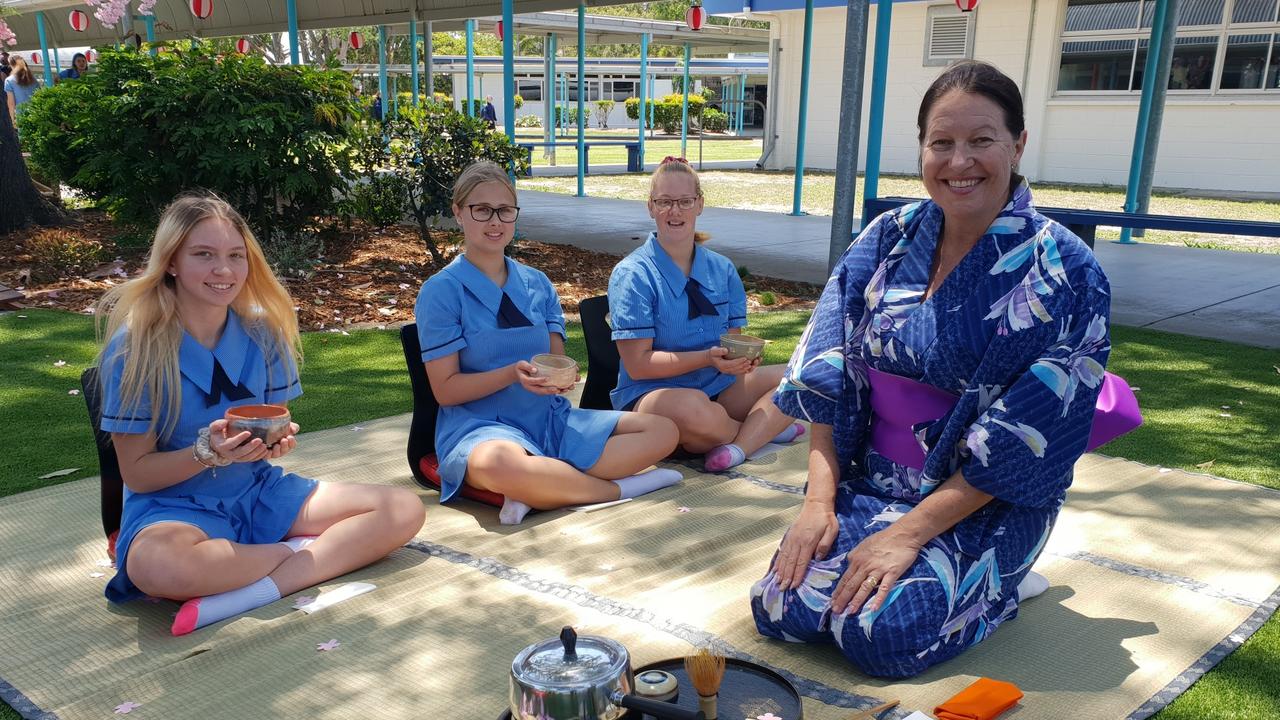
point(748, 691)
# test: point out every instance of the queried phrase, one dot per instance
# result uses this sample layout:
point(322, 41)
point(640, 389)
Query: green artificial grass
point(1183, 382)
point(772, 192)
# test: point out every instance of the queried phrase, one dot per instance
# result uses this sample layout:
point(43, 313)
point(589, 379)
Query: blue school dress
point(1018, 332)
point(249, 503)
point(460, 310)
point(650, 297)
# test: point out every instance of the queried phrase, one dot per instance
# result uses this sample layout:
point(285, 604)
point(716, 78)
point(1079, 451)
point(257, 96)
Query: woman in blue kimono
point(502, 427)
point(950, 371)
point(207, 327)
point(670, 300)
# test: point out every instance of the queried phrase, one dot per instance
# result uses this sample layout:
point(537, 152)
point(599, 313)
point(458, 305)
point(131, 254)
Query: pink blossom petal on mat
point(327, 646)
point(768, 716)
point(97, 574)
point(60, 363)
point(302, 601)
point(73, 392)
point(683, 509)
point(106, 562)
point(125, 708)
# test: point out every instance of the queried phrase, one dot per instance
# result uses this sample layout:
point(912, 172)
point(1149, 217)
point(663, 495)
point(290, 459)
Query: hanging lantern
point(79, 21)
point(35, 58)
point(201, 8)
point(497, 29)
point(696, 16)
point(243, 46)
point(356, 40)
point(90, 56)
point(967, 5)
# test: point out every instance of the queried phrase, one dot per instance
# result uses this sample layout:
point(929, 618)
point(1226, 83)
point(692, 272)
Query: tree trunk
point(22, 204)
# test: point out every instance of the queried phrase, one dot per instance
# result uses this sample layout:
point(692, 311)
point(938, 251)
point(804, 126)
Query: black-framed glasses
point(665, 204)
point(484, 213)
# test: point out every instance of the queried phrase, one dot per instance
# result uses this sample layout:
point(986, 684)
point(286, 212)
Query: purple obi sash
point(898, 404)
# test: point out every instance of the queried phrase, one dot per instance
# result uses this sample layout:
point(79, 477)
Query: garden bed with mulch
point(366, 276)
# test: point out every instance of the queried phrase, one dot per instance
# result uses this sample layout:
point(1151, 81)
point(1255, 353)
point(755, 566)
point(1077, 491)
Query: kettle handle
point(569, 639)
point(658, 709)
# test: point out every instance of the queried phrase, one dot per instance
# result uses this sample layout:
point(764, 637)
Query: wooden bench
point(634, 163)
point(1084, 223)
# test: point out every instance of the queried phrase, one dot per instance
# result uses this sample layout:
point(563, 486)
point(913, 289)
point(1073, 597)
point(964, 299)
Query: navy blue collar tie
point(220, 386)
point(509, 316)
point(698, 303)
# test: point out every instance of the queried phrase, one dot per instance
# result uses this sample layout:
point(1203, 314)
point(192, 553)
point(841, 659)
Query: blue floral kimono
point(1019, 333)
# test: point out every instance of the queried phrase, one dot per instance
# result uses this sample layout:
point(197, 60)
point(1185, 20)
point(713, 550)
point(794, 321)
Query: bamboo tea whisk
point(705, 670)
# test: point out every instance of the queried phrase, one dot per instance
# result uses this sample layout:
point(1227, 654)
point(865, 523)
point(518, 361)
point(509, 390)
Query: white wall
point(1214, 143)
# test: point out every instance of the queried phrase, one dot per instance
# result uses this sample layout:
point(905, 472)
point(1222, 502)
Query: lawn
point(654, 150)
point(772, 192)
point(1183, 384)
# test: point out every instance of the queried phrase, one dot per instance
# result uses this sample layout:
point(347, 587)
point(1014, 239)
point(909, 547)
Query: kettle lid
point(570, 660)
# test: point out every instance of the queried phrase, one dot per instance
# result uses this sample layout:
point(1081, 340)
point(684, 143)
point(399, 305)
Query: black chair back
point(602, 354)
point(112, 483)
point(422, 431)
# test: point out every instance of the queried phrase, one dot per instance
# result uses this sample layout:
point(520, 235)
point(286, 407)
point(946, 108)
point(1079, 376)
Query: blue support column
point(1152, 79)
point(413, 55)
point(684, 105)
point(509, 67)
point(551, 86)
point(798, 193)
point(471, 67)
point(382, 70)
point(582, 91)
point(642, 111)
point(57, 61)
point(150, 22)
point(44, 50)
point(742, 108)
point(295, 57)
point(875, 126)
point(653, 93)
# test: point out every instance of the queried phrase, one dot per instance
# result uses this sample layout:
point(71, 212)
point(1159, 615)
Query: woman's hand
point(284, 445)
point(809, 538)
point(738, 366)
point(874, 566)
point(238, 447)
point(529, 379)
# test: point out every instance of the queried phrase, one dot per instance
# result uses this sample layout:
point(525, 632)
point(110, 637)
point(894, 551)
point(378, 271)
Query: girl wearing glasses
point(670, 301)
point(502, 427)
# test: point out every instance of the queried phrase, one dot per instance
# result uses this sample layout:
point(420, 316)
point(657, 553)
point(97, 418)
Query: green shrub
point(519, 101)
point(768, 298)
point(529, 120)
point(572, 115)
point(743, 272)
point(141, 129)
point(713, 120)
point(377, 199)
point(603, 108)
point(293, 252)
point(59, 253)
point(667, 111)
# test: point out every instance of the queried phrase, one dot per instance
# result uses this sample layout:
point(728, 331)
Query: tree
point(23, 204)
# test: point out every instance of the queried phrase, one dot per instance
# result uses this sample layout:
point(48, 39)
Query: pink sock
point(793, 431)
point(201, 611)
point(723, 457)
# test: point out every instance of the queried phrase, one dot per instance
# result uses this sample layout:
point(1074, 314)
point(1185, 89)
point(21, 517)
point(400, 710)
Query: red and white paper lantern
point(90, 56)
point(35, 58)
point(201, 8)
point(695, 17)
point(497, 29)
point(243, 45)
point(356, 40)
point(967, 5)
point(79, 21)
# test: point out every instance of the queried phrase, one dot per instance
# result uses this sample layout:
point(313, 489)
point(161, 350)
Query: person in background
point(488, 113)
point(79, 66)
point(19, 87)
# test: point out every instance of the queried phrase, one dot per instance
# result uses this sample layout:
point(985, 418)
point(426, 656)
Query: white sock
point(1032, 585)
point(298, 542)
point(793, 431)
point(646, 482)
point(201, 611)
point(512, 512)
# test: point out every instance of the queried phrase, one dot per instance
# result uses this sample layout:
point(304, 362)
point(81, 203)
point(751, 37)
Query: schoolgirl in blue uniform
point(204, 328)
point(670, 301)
point(501, 426)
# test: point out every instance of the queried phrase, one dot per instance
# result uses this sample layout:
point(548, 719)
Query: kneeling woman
point(502, 427)
point(207, 327)
point(671, 300)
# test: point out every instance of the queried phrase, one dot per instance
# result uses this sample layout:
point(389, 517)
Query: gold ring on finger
point(871, 583)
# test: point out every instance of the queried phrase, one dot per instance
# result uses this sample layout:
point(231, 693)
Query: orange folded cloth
point(983, 700)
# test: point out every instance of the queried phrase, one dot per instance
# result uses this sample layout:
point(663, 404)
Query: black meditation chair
point(112, 484)
point(602, 354)
point(422, 431)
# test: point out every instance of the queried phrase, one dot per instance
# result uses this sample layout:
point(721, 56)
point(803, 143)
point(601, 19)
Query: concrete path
point(1208, 293)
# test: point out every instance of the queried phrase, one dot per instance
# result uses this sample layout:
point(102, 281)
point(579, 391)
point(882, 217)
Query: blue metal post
point(798, 193)
point(295, 57)
point(653, 93)
point(551, 86)
point(471, 67)
point(509, 67)
point(642, 111)
point(875, 126)
point(582, 91)
point(413, 56)
point(742, 108)
point(684, 105)
point(150, 21)
point(44, 50)
point(1144, 114)
point(382, 70)
point(57, 61)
